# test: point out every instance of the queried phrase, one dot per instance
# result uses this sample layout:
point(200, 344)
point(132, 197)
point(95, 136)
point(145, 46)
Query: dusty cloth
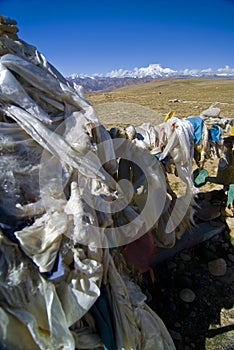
point(137, 327)
point(172, 143)
point(57, 166)
point(140, 253)
point(225, 171)
point(197, 123)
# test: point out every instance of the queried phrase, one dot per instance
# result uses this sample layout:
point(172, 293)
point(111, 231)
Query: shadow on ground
point(207, 322)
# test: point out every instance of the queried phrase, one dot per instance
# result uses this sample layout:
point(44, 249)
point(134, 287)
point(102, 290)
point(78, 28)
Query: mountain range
point(120, 77)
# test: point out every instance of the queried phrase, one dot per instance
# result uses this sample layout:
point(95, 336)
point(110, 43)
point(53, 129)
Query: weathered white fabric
point(57, 171)
point(137, 326)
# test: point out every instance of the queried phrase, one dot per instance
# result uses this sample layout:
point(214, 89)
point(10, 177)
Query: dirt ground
point(208, 321)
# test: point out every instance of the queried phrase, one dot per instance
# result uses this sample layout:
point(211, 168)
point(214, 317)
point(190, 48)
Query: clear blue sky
point(96, 36)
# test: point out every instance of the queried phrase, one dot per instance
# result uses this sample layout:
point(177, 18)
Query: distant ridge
point(120, 77)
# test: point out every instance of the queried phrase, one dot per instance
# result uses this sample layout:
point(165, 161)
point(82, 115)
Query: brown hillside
point(184, 96)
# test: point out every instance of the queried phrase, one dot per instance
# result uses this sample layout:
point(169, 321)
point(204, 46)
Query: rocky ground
point(194, 294)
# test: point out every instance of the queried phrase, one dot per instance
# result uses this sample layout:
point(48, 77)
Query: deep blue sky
point(96, 36)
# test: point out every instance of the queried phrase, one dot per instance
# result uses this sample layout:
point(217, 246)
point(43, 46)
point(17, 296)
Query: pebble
point(215, 238)
point(231, 257)
point(185, 257)
point(184, 282)
point(177, 325)
point(175, 335)
point(171, 265)
point(225, 245)
point(228, 277)
point(181, 266)
point(212, 248)
point(187, 295)
point(217, 267)
point(173, 306)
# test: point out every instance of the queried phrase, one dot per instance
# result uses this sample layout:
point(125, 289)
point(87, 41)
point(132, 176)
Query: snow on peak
point(226, 71)
point(153, 70)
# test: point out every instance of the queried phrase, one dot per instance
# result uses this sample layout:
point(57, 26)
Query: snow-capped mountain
point(153, 71)
point(122, 77)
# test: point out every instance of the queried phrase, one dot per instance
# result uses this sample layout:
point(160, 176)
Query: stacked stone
point(8, 27)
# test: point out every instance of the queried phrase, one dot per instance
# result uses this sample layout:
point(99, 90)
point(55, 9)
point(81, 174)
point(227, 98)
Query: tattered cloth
point(51, 270)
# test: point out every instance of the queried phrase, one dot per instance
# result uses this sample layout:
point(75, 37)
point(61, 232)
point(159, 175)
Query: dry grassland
point(135, 104)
